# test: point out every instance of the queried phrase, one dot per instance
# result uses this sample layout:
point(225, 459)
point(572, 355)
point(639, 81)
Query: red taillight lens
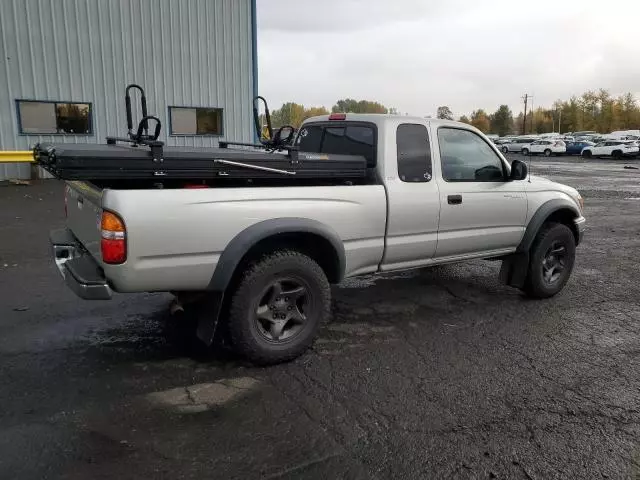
point(113, 242)
point(338, 116)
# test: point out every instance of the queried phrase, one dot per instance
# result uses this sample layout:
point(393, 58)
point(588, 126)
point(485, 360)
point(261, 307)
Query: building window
point(53, 118)
point(195, 121)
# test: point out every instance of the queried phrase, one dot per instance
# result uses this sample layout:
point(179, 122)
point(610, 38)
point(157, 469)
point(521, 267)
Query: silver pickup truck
point(265, 256)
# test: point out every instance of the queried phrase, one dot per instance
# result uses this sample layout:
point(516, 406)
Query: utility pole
point(560, 121)
point(532, 114)
point(524, 120)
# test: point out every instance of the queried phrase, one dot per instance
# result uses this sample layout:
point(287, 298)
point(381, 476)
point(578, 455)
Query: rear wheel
point(547, 153)
point(587, 154)
point(551, 261)
point(278, 306)
point(525, 151)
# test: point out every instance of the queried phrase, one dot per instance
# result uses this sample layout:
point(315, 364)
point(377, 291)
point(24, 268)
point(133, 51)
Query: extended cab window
point(466, 157)
point(414, 153)
point(344, 139)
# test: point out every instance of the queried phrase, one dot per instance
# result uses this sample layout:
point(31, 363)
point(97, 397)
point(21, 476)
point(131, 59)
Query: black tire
point(505, 150)
point(587, 154)
point(547, 153)
point(545, 278)
point(617, 154)
point(525, 151)
point(260, 339)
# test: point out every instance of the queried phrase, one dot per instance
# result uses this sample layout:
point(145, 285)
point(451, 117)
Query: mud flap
point(207, 314)
point(514, 269)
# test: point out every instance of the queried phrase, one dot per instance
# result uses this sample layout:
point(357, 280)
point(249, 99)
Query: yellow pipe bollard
point(16, 156)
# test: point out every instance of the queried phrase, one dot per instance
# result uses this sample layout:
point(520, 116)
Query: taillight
point(338, 116)
point(113, 241)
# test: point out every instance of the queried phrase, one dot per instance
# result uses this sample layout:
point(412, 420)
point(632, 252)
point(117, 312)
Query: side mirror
point(518, 170)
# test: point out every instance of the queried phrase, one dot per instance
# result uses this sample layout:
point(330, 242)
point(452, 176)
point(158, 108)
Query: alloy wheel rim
point(281, 313)
point(554, 263)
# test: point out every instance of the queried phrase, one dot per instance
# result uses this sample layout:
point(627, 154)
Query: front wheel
point(587, 154)
point(547, 153)
point(551, 261)
point(525, 151)
point(505, 150)
point(278, 306)
point(617, 155)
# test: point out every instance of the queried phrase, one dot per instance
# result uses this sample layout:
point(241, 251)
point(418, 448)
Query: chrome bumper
point(80, 271)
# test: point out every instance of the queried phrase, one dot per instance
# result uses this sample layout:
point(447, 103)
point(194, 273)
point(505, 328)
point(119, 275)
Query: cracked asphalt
point(439, 373)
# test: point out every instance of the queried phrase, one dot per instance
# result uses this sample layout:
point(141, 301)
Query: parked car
point(575, 148)
point(611, 148)
point(547, 147)
point(520, 145)
point(442, 194)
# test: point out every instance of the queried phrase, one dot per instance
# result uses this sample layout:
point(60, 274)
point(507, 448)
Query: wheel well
point(315, 246)
point(566, 217)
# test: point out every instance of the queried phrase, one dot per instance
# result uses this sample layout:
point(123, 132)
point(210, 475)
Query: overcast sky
point(417, 54)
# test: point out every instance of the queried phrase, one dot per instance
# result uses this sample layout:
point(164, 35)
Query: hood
point(540, 184)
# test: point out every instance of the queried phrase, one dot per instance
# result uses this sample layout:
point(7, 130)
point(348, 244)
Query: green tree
point(464, 119)
point(315, 112)
point(445, 113)
point(289, 114)
point(480, 120)
point(349, 105)
point(502, 121)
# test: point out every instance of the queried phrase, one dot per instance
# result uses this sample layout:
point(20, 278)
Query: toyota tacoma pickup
point(265, 254)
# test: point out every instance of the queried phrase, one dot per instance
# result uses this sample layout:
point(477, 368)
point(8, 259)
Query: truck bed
point(127, 162)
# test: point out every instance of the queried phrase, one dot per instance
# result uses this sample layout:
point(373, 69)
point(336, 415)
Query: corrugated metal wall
point(183, 52)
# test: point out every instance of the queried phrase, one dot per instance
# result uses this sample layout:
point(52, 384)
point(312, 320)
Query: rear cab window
point(344, 138)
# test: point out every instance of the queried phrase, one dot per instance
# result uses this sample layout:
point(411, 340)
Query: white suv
point(520, 145)
point(547, 147)
point(611, 148)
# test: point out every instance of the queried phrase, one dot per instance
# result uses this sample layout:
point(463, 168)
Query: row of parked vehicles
point(616, 145)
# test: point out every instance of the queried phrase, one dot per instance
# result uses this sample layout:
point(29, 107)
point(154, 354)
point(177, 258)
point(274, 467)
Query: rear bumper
point(581, 226)
point(80, 271)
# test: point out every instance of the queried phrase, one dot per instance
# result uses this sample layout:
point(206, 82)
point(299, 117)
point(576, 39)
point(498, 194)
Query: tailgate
point(84, 208)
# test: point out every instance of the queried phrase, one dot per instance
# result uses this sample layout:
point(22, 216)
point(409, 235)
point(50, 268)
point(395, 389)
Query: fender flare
point(515, 267)
point(238, 247)
point(209, 313)
point(544, 211)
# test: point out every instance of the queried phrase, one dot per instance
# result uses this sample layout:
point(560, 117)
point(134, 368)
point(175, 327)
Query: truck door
point(413, 199)
point(482, 211)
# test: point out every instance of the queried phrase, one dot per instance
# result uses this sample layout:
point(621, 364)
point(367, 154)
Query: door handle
point(454, 199)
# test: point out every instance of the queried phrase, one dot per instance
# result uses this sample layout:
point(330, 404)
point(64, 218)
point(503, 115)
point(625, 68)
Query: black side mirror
point(518, 170)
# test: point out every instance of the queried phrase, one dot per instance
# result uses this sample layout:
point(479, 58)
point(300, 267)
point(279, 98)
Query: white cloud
point(416, 54)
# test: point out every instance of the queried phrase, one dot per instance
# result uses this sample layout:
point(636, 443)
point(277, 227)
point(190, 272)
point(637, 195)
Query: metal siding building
point(185, 53)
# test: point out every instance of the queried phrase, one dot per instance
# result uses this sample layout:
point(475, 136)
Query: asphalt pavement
point(437, 373)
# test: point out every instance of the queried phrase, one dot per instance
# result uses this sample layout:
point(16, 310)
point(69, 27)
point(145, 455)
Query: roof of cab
point(380, 118)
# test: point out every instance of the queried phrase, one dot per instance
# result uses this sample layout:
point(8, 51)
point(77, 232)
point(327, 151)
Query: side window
point(466, 157)
point(414, 153)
